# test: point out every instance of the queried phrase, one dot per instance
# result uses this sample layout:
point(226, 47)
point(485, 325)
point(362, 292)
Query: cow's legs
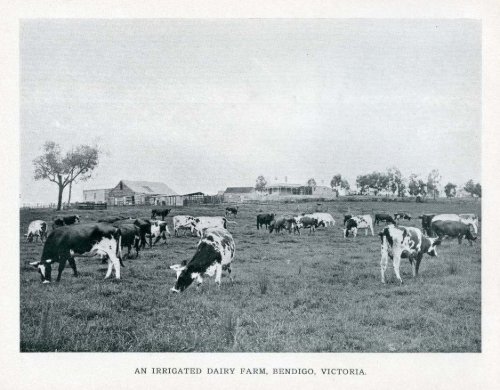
point(62, 264)
point(366, 232)
point(218, 273)
point(460, 239)
point(417, 264)
point(72, 263)
point(383, 262)
point(371, 228)
point(396, 263)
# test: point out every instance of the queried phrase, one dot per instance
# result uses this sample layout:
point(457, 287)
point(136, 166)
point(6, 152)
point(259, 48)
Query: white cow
point(468, 219)
point(325, 218)
point(358, 222)
point(159, 229)
point(183, 222)
point(214, 253)
point(201, 223)
point(37, 228)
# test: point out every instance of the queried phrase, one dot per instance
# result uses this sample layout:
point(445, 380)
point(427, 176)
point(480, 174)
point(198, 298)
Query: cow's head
point(44, 269)
point(432, 250)
point(206, 254)
point(77, 219)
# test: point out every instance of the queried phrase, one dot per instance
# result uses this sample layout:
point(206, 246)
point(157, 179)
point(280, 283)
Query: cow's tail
point(119, 249)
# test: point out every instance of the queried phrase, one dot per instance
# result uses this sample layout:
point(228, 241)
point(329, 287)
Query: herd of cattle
point(215, 251)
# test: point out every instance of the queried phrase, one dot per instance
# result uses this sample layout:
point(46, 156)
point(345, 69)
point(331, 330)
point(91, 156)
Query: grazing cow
point(426, 223)
point(232, 211)
point(160, 213)
point(37, 228)
point(264, 219)
point(65, 221)
point(282, 223)
point(404, 242)
point(307, 221)
point(358, 222)
point(201, 223)
point(214, 253)
point(324, 219)
point(402, 215)
point(452, 229)
point(65, 243)
point(159, 230)
point(130, 236)
point(384, 218)
point(183, 222)
point(470, 221)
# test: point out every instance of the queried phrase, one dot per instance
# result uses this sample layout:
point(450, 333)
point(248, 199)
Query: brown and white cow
point(87, 239)
point(404, 242)
point(215, 253)
point(358, 222)
point(183, 222)
point(201, 223)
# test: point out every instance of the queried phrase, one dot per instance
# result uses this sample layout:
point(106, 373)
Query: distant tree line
point(393, 182)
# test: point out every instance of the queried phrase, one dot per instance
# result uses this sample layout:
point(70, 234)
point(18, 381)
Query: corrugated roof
point(239, 190)
point(285, 185)
point(149, 187)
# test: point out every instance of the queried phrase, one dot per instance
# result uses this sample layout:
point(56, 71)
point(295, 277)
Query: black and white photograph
point(249, 186)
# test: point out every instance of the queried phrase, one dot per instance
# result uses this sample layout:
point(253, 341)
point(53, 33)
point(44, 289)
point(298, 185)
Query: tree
point(337, 183)
point(63, 171)
point(433, 181)
point(470, 187)
point(396, 181)
point(376, 180)
point(311, 182)
point(450, 190)
point(413, 187)
point(478, 190)
point(261, 183)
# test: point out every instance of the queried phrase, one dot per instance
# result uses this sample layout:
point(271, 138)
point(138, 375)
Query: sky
point(203, 104)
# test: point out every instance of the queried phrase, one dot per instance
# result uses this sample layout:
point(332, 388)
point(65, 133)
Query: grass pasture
point(308, 293)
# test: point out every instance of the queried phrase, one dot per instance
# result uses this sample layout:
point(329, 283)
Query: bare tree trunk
point(69, 194)
point(59, 197)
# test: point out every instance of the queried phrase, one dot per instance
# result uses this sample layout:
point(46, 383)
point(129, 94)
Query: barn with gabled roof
point(129, 192)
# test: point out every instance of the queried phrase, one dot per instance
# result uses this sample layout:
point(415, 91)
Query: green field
point(308, 293)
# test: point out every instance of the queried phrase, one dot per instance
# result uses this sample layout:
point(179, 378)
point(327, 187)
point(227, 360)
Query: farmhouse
point(128, 192)
point(239, 194)
point(288, 189)
point(96, 196)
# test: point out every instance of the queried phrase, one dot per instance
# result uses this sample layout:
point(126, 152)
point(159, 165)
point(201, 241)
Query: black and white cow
point(404, 242)
point(358, 222)
point(159, 230)
point(65, 221)
point(307, 221)
point(453, 229)
point(382, 217)
point(347, 217)
point(464, 218)
point(201, 223)
point(232, 210)
point(183, 222)
point(65, 243)
point(264, 219)
point(160, 213)
point(36, 229)
point(282, 223)
point(402, 215)
point(214, 253)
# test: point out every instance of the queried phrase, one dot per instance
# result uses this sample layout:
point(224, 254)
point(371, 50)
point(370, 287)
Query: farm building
point(324, 192)
point(129, 192)
point(97, 196)
point(239, 194)
point(288, 189)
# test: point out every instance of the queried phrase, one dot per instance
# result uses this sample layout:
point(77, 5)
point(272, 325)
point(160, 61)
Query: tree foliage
point(337, 183)
point(433, 181)
point(311, 182)
point(261, 183)
point(77, 164)
point(450, 190)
